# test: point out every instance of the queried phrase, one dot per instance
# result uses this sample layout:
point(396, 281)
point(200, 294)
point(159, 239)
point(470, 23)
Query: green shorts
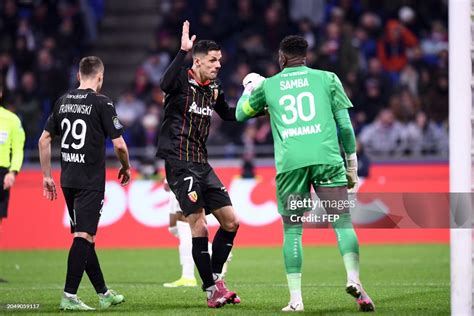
point(298, 183)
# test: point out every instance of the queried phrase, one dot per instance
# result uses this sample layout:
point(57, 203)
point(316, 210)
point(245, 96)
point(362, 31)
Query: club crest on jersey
point(200, 110)
point(193, 197)
point(215, 94)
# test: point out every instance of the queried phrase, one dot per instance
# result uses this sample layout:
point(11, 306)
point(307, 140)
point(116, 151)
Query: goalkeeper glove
point(251, 81)
point(351, 172)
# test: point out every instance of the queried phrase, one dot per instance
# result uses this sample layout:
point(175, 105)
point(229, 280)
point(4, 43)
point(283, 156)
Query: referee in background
point(12, 140)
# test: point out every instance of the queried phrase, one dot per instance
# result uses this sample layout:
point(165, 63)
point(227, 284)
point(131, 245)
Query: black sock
point(76, 264)
point(221, 247)
point(203, 260)
point(94, 272)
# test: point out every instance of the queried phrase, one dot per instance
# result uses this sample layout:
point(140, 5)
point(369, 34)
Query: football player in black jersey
point(83, 119)
point(191, 97)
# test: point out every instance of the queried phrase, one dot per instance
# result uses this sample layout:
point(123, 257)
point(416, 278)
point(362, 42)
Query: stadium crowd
point(391, 57)
point(393, 64)
point(41, 43)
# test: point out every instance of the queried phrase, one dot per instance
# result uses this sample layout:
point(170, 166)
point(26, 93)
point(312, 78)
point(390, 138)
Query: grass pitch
point(402, 280)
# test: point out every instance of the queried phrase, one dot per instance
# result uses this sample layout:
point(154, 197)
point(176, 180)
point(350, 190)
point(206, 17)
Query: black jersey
point(189, 106)
point(83, 119)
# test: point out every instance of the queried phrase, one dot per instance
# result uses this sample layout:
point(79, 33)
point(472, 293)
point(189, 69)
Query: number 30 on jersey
point(294, 107)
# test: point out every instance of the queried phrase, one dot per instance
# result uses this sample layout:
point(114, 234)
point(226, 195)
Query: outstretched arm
point(168, 81)
point(252, 101)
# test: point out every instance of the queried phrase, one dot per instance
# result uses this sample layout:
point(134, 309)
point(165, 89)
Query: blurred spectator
point(338, 54)
point(407, 107)
point(142, 86)
point(392, 48)
point(436, 101)
point(409, 78)
point(376, 73)
point(48, 72)
point(275, 27)
point(306, 29)
point(246, 19)
point(8, 71)
point(436, 42)
point(9, 23)
point(303, 9)
point(25, 31)
point(208, 19)
point(145, 132)
point(23, 57)
point(29, 109)
point(372, 100)
point(385, 137)
point(426, 138)
point(129, 109)
point(155, 66)
point(366, 45)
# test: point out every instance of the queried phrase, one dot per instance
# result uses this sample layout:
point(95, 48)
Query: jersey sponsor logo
point(200, 110)
point(75, 108)
point(193, 197)
point(73, 157)
point(117, 123)
point(300, 131)
point(295, 83)
point(3, 137)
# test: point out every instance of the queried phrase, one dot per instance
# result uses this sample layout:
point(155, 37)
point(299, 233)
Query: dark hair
point(204, 46)
point(90, 66)
point(294, 46)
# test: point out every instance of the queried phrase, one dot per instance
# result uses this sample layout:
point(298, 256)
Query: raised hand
point(186, 42)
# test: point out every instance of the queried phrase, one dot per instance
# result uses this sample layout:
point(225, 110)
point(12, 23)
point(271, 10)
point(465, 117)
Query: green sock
point(292, 248)
point(348, 246)
point(293, 256)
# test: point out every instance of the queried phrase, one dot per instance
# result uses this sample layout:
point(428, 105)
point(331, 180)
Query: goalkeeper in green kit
point(307, 109)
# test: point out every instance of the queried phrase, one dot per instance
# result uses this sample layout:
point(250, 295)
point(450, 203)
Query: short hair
point(90, 66)
point(294, 46)
point(204, 46)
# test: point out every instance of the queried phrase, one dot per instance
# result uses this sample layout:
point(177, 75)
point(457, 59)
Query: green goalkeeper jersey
point(302, 103)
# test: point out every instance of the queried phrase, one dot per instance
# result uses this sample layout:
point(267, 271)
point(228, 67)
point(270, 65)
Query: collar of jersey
point(202, 84)
point(288, 69)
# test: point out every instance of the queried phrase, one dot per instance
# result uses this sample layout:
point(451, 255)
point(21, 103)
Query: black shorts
point(4, 194)
point(85, 207)
point(196, 185)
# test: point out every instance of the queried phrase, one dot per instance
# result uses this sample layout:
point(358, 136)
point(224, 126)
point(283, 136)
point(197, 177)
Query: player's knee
point(199, 228)
point(231, 226)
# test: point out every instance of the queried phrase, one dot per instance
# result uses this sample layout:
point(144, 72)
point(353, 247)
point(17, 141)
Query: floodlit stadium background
point(392, 57)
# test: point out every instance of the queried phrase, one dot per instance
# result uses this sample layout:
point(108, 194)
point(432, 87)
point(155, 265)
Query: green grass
point(402, 280)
